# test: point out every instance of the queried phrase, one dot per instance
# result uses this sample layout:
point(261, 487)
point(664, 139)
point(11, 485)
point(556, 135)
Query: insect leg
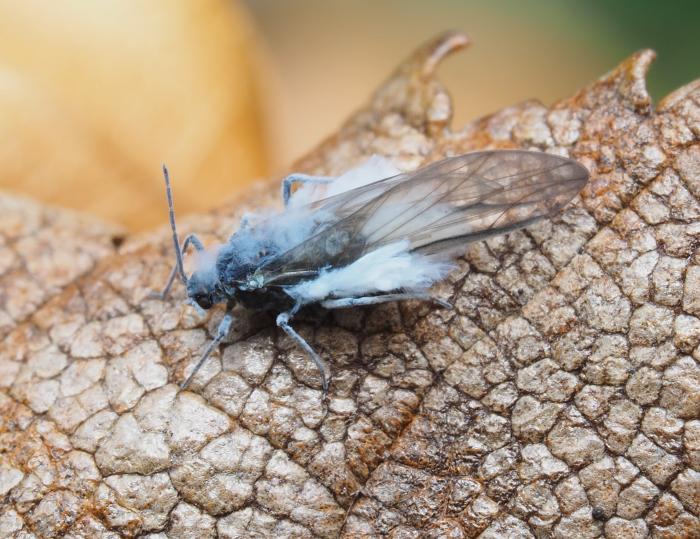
point(194, 240)
point(344, 303)
point(221, 333)
point(283, 322)
point(300, 178)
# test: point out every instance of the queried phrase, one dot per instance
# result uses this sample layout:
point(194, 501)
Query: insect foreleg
point(221, 333)
point(344, 303)
point(194, 240)
point(300, 178)
point(283, 322)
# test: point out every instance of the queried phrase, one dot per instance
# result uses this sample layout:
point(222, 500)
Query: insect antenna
point(171, 213)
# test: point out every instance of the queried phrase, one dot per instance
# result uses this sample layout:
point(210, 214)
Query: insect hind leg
point(290, 180)
point(283, 322)
point(346, 303)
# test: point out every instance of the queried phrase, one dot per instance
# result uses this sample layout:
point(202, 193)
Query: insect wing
point(436, 209)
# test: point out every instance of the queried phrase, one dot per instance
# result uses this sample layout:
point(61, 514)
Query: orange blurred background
point(94, 96)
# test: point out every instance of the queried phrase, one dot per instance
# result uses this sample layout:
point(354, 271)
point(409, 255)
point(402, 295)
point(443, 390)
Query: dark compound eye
point(203, 300)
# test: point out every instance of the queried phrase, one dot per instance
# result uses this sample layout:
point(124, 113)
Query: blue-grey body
point(371, 235)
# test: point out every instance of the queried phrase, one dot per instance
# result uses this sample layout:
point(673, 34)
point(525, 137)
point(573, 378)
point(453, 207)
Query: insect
point(372, 235)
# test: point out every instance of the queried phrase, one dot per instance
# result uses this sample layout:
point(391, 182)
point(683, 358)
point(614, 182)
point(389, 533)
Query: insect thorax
point(265, 299)
point(234, 266)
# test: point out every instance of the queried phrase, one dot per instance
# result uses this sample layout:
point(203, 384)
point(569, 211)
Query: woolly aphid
point(372, 235)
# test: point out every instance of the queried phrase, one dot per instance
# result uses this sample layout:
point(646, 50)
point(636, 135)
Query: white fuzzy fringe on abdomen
point(386, 269)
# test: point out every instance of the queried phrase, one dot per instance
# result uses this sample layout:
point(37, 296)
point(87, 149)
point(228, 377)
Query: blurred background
point(94, 96)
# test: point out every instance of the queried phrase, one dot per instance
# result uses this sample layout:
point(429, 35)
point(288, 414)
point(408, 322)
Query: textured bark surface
point(560, 398)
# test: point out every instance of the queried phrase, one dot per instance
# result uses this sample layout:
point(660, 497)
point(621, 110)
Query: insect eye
point(203, 300)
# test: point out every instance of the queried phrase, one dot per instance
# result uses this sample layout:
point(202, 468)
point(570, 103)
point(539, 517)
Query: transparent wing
point(437, 209)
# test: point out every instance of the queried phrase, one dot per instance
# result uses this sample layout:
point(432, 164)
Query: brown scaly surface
point(561, 397)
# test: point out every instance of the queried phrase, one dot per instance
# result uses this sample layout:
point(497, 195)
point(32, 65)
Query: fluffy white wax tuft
point(268, 233)
point(373, 169)
point(386, 269)
point(205, 262)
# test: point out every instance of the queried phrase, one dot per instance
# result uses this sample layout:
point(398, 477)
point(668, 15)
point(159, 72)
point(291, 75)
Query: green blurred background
point(328, 55)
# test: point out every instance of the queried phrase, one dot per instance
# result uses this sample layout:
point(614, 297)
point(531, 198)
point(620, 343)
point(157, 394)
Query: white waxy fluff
point(373, 169)
point(276, 232)
point(205, 262)
point(389, 268)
